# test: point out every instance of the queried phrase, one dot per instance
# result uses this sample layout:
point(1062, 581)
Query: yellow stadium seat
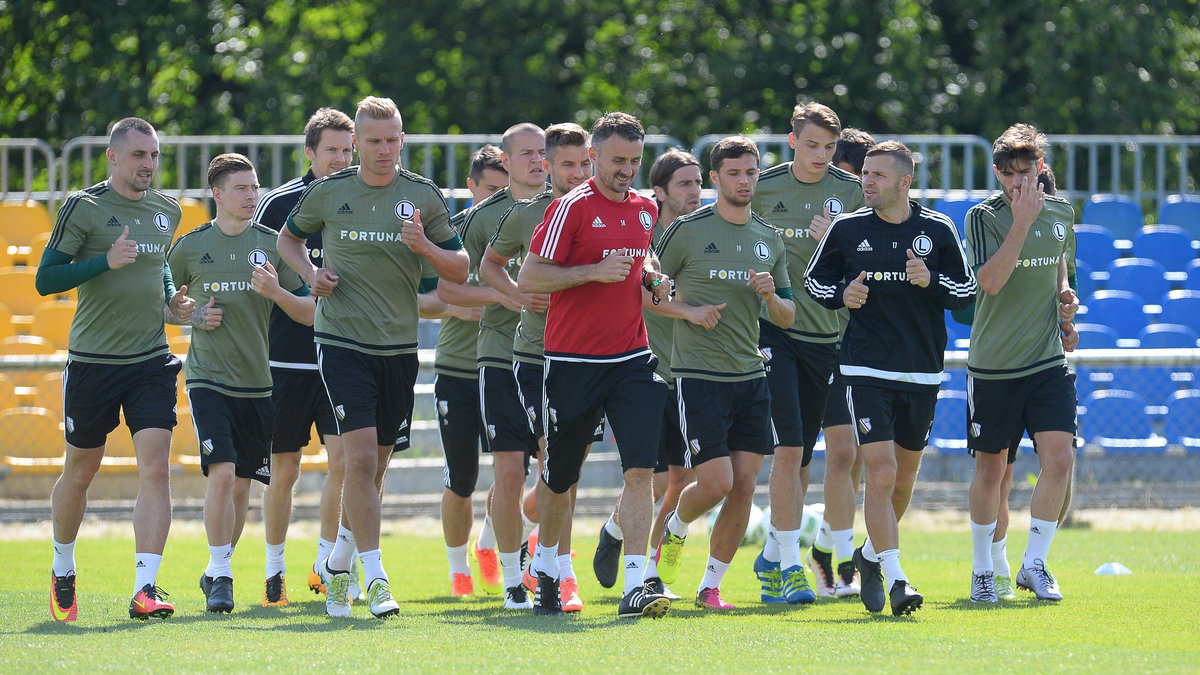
point(173, 330)
point(6, 322)
point(21, 221)
point(6, 253)
point(185, 448)
point(18, 291)
point(194, 215)
point(31, 440)
point(52, 320)
point(25, 345)
point(313, 456)
point(48, 393)
point(31, 255)
point(8, 394)
point(120, 456)
point(179, 344)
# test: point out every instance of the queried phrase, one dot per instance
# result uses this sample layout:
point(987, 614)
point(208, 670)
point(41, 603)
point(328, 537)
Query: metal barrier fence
point(1147, 168)
point(27, 170)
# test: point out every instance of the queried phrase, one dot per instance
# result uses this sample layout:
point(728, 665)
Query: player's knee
point(1057, 460)
point(80, 467)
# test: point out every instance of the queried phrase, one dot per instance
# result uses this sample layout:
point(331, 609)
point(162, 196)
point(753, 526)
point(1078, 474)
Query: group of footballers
point(569, 302)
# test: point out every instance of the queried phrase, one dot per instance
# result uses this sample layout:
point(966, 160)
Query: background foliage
point(686, 67)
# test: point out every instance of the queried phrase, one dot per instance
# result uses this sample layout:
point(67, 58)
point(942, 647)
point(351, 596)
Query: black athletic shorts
point(837, 412)
point(368, 391)
point(671, 447)
point(883, 414)
point(798, 374)
point(505, 422)
point(626, 392)
point(300, 401)
point(529, 386)
point(95, 393)
point(717, 417)
point(236, 430)
point(998, 410)
point(461, 429)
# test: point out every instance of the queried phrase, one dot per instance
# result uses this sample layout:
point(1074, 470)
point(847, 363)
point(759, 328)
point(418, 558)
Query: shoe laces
point(156, 593)
point(1043, 574)
point(983, 584)
point(380, 592)
point(64, 591)
point(338, 590)
point(274, 588)
point(517, 593)
point(846, 572)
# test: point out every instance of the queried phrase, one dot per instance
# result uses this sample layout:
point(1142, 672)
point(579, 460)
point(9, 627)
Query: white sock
point(889, 560)
point(824, 540)
point(1041, 534)
point(219, 561)
point(677, 526)
point(145, 570)
point(613, 528)
point(868, 551)
point(457, 556)
point(789, 548)
point(372, 564)
point(527, 526)
point(651, 571)
point(275, 564)
point(565, 569)
point(487, 536)
point(635, 571)
point(714, 571)
point(770, 551)
point(324, 548)
point(843, 544)
point(981, 546)
point(545, 561)
point(1000, 558)
point(510, 567)
point(64, 559)
point(342, 555)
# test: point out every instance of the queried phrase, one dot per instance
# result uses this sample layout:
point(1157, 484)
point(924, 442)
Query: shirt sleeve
point(824, 277)
point(553, 237)
point(780, 272)
point(436, 221)
point(508, 241)
point(953, 283)
point(669, 250)
point(306, 217)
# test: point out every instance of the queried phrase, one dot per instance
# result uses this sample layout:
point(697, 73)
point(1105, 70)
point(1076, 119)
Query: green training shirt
point(1015, 332)
point(233, 358)
point(374, 307)
point(512, 241)
point(790, 205)
point(455, 352)
point(710, 260)
point(659, 328)
point(119, 317)
point(498, 323)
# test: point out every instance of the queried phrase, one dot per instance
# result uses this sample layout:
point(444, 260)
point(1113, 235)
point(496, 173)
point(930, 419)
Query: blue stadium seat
point(954, 331)
point(956, 208)
point(1156, 384)
point(1167, 336)
point(1183, 421)
point(1193, 272)
point(954, 378)
point(1144, 276)
point(1182, 307)
point(949, 432)
point(1095, 245)
point(1116, 420)
point(1181, 210)
point(1096, 336)
point(1169, 245)
point(1119, 310)
point(1119, 213)
point(1084, 384)
point(1085, 285)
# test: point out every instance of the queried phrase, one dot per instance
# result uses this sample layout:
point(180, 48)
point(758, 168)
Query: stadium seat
point(37, 248)
point(31, 440)
point(1095, 245)
point(18, 291)
point(954, 378)
point(6, 257)
point(120, 455)
point(1182, 307)
point(1119, 310)
point(1156, 384)
point(20, 222)
point(1119, 213)
point(52, 320)
point(179, 344)
point(956, 208)
point(194, 215)
point(8, 394)
point(1193, 272)
point(1183, 211)
point(949, 432)
point(48, 393)
point(1096, 336)
point(313, 456)
point(1116, 420)
point(1182, 425)
point(1167, 336)
point(25, 345)
point(1169, 245)
point(1144, 276)
point(185, 447)
point(1085, 285)
point(6, 323)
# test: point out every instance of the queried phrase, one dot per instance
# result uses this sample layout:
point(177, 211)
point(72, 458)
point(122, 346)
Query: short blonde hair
point(377, 108)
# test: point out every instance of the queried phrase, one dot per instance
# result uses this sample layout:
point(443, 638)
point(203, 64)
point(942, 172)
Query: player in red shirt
point(592, 254)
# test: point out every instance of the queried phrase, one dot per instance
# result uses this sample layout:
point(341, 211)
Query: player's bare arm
point(449, 265)
point(1027, 201)
point(491, 270)
point(291, 248)
point(265, 281)
point(781, 311)
point(543, 275)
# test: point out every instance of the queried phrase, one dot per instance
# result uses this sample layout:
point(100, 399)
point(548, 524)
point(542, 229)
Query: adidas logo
point(598, 223)
point(631, 566)
point(779, 208)
point(113, 222)
point(865, 246)
point(345, 210)
point(712, 248)
point(140, 564)
point(206, 259)
point(1035, 530)
point(712, 569)
point(263, 471)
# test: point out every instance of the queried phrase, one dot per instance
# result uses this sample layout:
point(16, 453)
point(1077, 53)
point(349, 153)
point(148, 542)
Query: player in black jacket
point(897, 265)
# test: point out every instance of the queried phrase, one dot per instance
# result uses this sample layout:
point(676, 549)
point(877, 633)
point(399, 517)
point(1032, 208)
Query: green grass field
point(1139, 623)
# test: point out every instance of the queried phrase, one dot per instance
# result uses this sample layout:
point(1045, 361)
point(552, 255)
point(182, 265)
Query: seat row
point(23, 222)
point(1118, 214)
point(1128, 314)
